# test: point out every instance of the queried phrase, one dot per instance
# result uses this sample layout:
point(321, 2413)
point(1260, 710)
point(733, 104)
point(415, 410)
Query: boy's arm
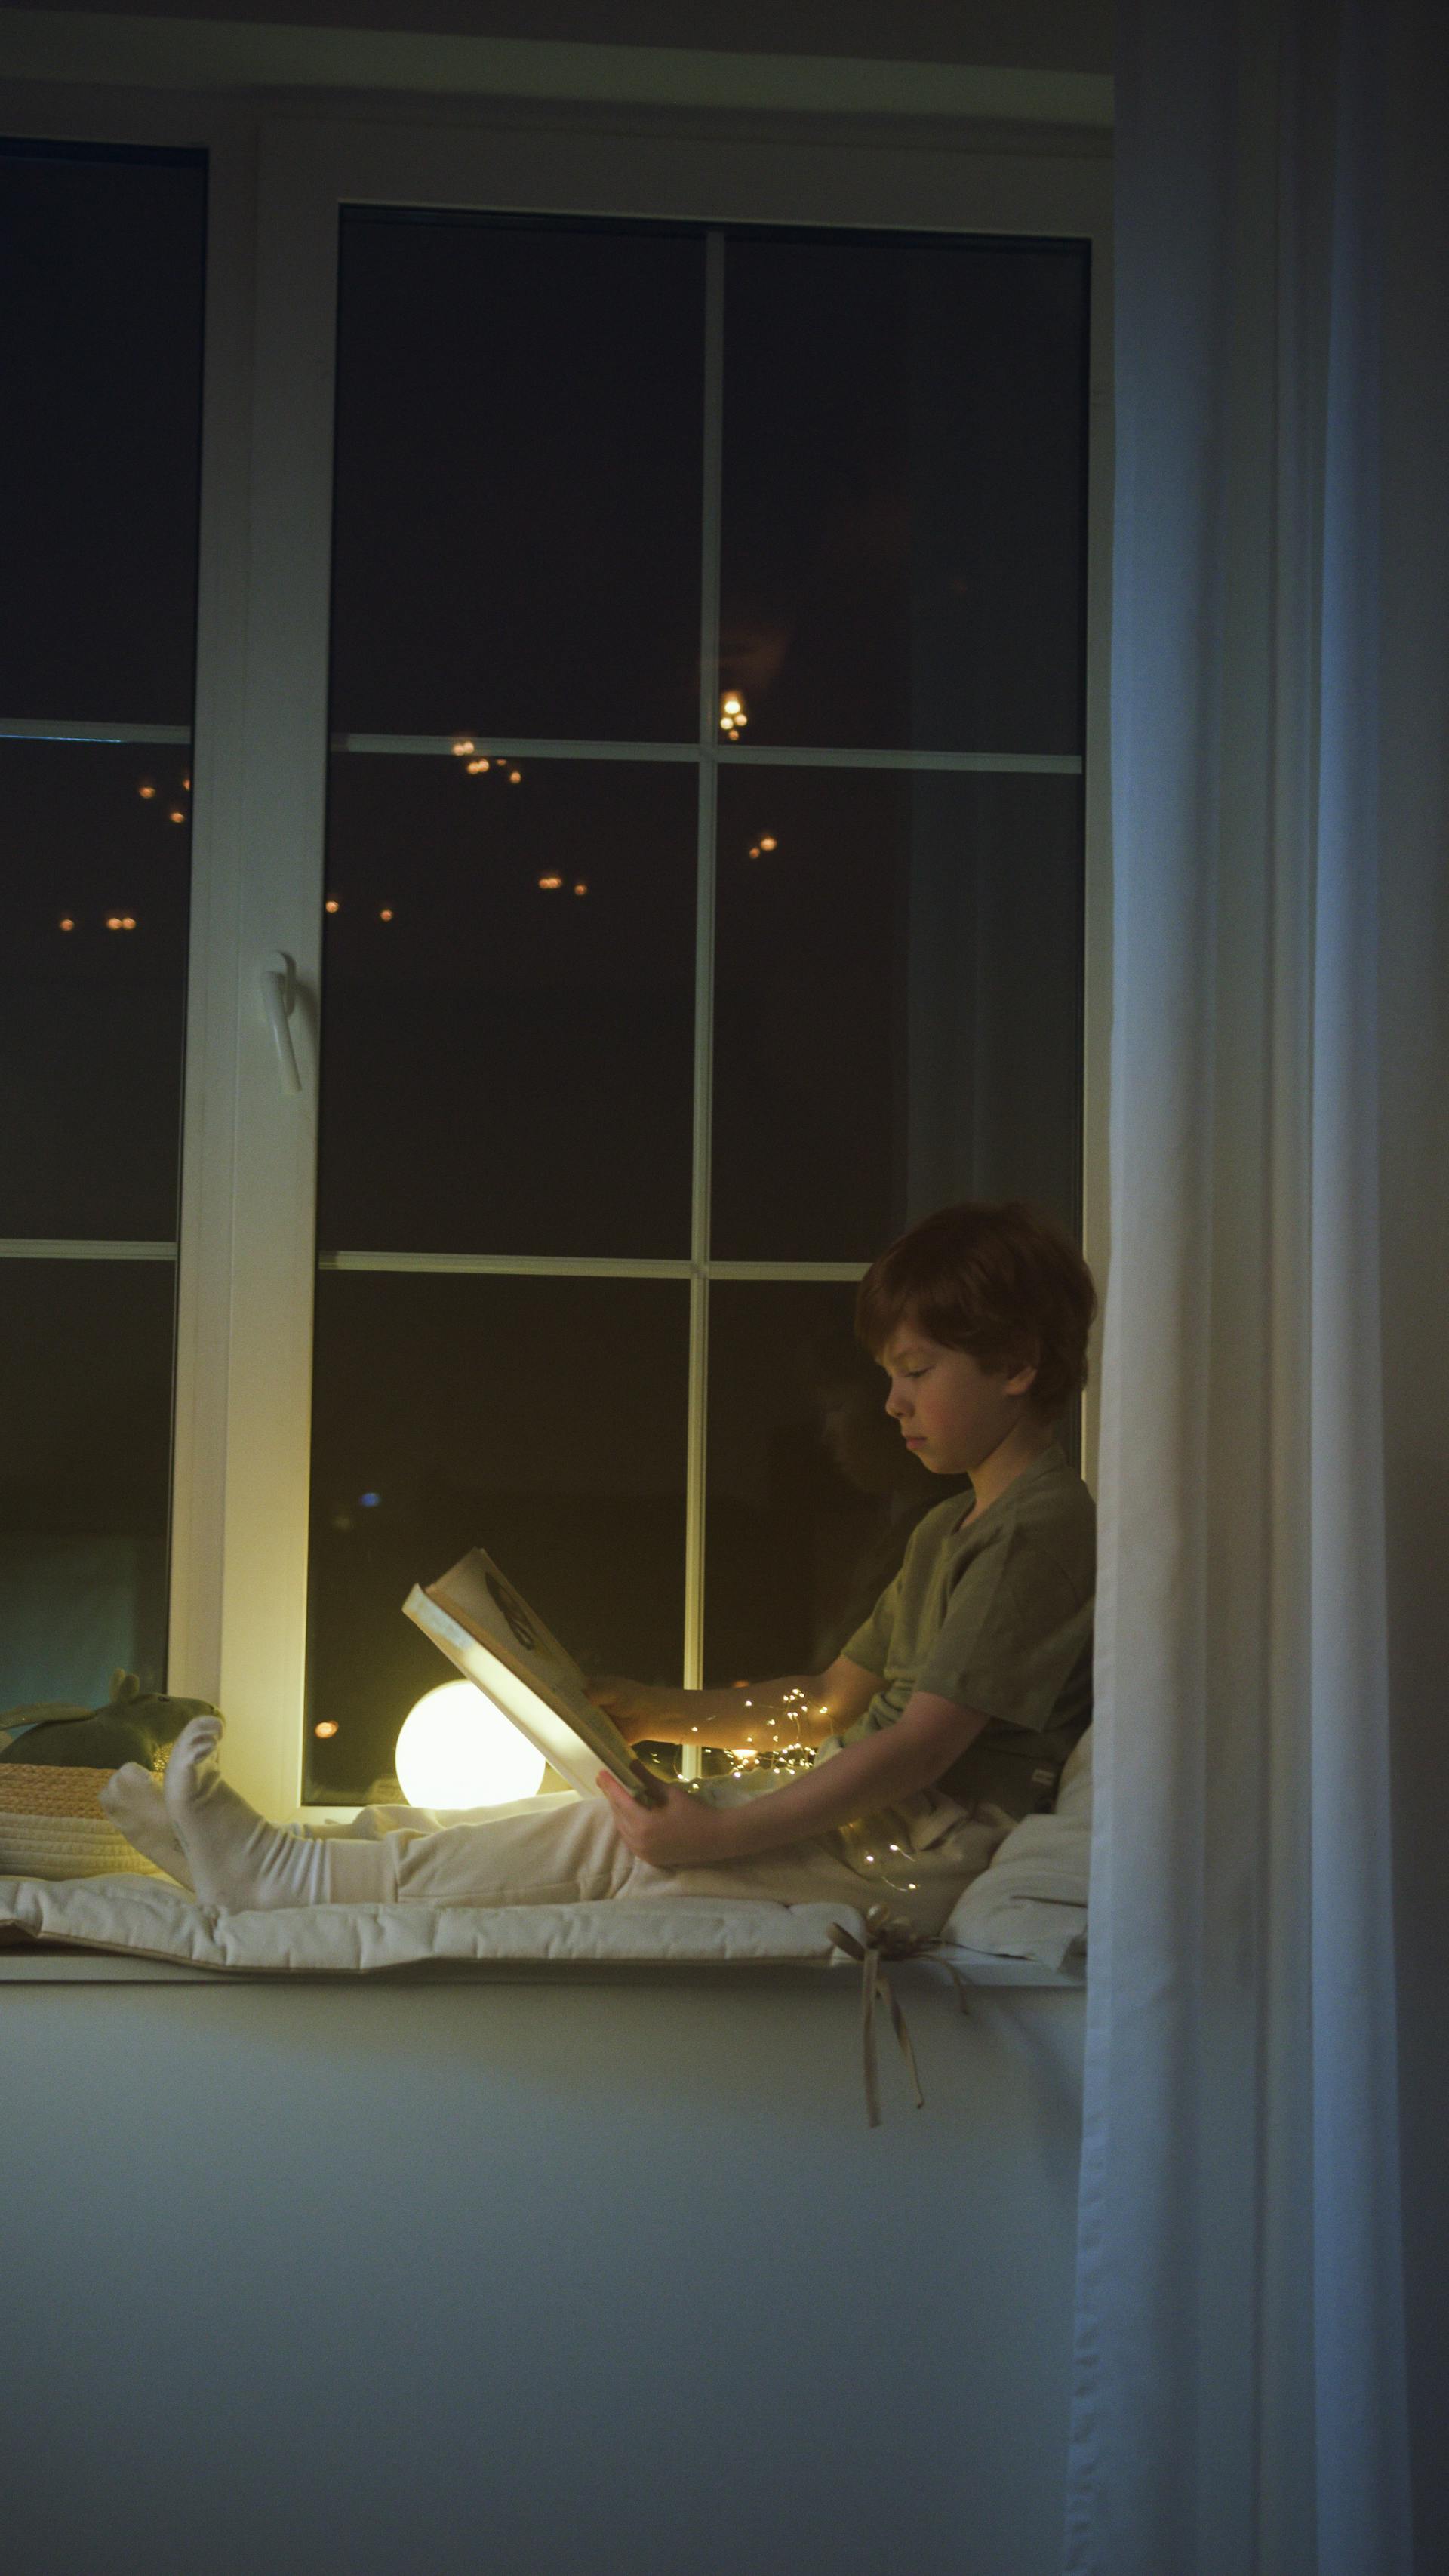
point(927, 1738)
point(761, 1713)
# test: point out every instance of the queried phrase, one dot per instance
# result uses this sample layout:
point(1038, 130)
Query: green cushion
point(132, 1727)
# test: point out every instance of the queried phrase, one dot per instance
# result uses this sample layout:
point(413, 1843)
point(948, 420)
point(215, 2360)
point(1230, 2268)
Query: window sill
point(64, 1966)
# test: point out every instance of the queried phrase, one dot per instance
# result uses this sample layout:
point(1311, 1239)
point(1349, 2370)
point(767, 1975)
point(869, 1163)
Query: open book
point(491, 1635)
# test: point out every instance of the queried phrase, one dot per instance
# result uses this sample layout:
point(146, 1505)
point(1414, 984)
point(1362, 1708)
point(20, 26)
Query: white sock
point(240, 1861)
point(132, 1799)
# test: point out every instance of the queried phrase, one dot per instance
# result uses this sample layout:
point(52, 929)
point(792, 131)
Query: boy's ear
point(1022, 1378)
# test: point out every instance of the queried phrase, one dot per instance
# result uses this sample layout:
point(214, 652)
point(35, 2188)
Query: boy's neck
point(1019, 1450)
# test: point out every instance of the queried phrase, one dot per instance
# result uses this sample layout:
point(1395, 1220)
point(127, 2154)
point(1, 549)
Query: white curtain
point(1272, 1657)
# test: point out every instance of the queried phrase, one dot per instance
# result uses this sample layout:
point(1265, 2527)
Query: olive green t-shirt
point(998, 1618)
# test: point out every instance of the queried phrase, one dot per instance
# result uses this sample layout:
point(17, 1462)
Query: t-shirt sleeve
point(1013, 1634)
point(871, 1644)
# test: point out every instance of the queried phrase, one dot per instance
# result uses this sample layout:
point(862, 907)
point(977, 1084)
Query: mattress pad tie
point(889, 1937)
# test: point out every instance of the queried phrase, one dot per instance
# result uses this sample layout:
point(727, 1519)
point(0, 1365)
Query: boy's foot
point(133, 1800)
point(235, 1857)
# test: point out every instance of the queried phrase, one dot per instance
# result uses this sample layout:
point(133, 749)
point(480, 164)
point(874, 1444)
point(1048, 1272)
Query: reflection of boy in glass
point(947, 1715)
point(865, 1448)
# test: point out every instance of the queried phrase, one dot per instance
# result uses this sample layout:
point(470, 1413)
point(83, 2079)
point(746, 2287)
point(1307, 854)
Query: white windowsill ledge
point(80, 1967)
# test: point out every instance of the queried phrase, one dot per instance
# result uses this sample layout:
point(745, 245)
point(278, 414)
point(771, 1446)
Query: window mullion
point(695, 1461)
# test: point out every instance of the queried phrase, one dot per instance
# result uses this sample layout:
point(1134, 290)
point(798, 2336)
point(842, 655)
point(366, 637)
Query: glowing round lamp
point(457, 1750)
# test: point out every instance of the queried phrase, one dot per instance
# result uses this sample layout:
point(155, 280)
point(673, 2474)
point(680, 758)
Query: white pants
point(564, 1849)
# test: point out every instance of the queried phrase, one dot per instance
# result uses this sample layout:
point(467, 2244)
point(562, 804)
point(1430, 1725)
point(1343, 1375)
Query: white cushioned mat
point(153, 1918)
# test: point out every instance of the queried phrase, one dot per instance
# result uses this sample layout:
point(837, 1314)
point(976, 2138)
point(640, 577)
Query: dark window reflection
point(85, 1466)
point(904, 450)
point(509, 1007)
point(542, 1418)
point(812, 1493)
point(92, 989)
point(898, 1005)
point(100, 347)
point(519, 474)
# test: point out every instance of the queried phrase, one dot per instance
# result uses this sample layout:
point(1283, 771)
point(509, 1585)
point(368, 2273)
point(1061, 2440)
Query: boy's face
point(953, 1414)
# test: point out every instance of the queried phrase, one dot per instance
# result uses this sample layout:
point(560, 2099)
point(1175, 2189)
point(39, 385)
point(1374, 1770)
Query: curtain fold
point(1240, 2401)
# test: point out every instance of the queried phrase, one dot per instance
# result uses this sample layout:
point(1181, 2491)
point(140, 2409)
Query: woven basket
point(52, 1826)
point(50, 1789)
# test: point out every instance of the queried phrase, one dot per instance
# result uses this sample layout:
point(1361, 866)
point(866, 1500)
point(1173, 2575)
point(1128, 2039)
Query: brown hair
point(1002, 1281)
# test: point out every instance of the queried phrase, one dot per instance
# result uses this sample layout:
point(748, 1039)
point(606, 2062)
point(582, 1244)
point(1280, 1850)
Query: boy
point(944, 1719)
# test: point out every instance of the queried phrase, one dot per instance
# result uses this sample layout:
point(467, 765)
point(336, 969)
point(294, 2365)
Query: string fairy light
point(789, 1760)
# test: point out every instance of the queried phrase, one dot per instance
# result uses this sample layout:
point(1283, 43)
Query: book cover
point(487, 1629)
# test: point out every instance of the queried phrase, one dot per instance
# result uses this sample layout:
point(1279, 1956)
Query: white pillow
point(1031, 1903)
point(1074, 1789)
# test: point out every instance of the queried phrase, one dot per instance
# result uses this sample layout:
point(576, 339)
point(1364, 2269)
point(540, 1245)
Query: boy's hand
point(631, 1705)
point(679, 1833)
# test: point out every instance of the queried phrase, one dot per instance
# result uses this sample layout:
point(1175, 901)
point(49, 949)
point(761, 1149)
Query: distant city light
point(732, 714)
point(332, 904)
point(67, 923)
point(755, 852)
point(768, 841)
point(327, 1726)
point(369, 1502)
point(386, 913)
point(145, 791)
point(128, 921)
point(515, 778)
point(476, 768)
point(178, 816)
point(186, 786)
point(461, 750)
point(113, 921)
point(581, 888)
point(550, 885)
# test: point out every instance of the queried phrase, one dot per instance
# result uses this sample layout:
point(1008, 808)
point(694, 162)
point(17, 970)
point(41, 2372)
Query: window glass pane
point(91, 1009)
point(100, 339)
point(101, 281)
point(904, 449)
point(898, 1003)
point(519, 475)
point(85, 1472)
point(812, 1492)
point(541, 1418)
point(508, 1060)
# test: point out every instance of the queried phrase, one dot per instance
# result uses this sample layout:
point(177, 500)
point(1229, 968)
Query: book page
point(488, 1630)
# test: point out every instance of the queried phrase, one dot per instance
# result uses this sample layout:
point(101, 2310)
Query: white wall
point(1022, 60)
point(554, 2280)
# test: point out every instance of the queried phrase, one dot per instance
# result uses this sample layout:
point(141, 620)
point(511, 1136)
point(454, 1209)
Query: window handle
point(279, 993)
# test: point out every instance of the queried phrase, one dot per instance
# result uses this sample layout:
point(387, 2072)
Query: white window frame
point(247, 1249)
